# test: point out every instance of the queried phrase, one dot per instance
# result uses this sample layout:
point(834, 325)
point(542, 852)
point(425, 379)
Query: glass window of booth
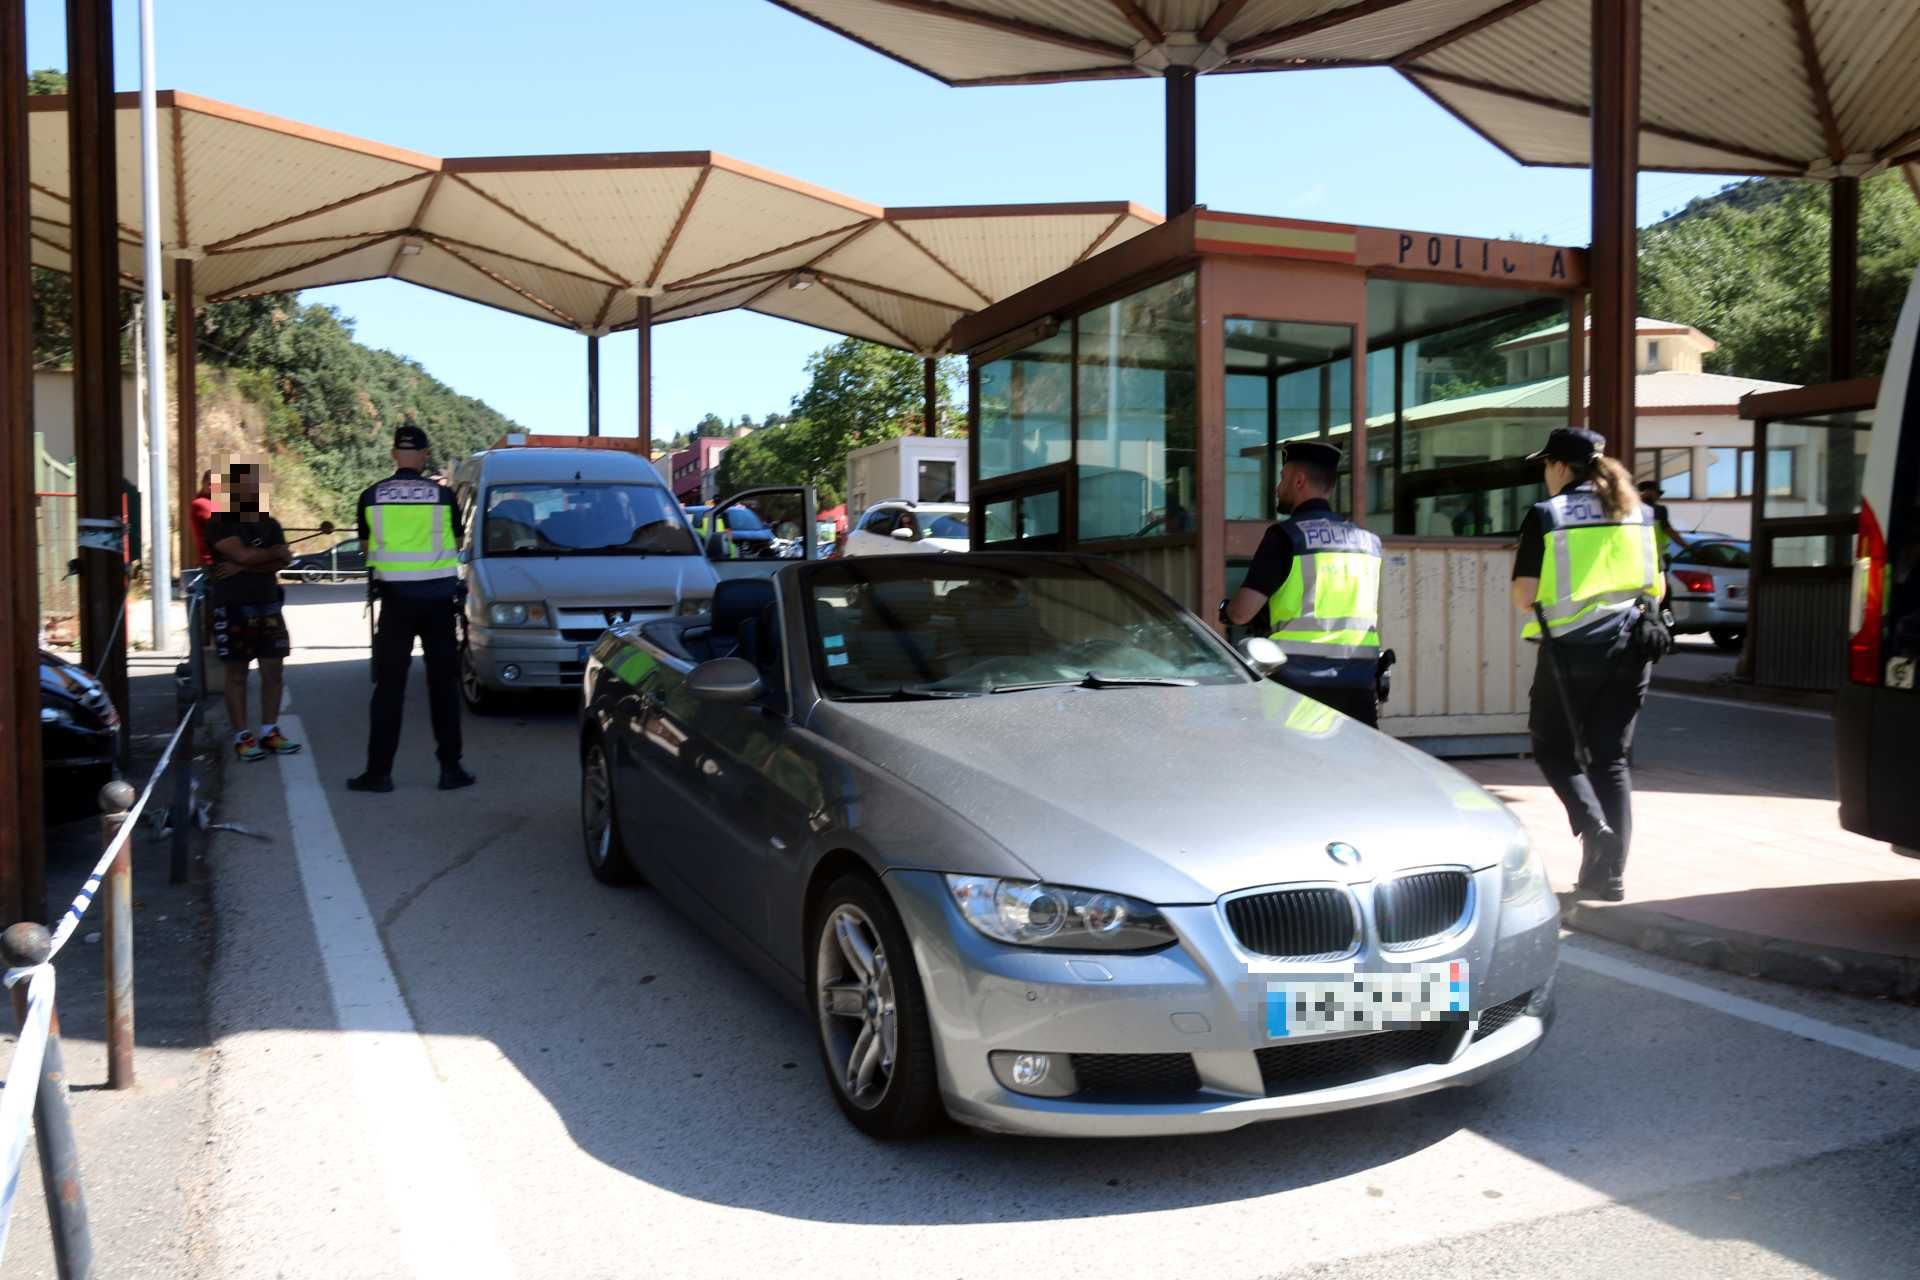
point(1026, 408)
point(1285, 381)
point(1134, 422)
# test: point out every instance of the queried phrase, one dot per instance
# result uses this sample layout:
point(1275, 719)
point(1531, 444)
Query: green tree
point(46, 80)
point(712, 426)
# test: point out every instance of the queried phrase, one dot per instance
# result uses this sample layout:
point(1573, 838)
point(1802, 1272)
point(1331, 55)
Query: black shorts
point(243, 632)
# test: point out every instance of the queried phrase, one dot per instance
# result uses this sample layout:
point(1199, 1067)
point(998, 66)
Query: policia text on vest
point(412, 533)
point(1316, 578)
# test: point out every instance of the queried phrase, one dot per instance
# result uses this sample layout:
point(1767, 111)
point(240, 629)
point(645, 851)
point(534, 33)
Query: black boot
point(370, 782)
point(453, 777)
point(1601, 862)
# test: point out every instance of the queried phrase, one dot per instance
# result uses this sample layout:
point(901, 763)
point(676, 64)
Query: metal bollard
point(30, 944)
point(115, 799)
point(186, 703)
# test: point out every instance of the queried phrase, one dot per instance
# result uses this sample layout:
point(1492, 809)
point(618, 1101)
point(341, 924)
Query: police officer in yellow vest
point(1317, 579)
point(1589, 558)
point(411, 531)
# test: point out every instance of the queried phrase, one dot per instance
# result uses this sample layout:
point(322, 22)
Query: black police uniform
point(427, 610)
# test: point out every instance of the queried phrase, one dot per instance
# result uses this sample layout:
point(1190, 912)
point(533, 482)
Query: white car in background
point(898, 526)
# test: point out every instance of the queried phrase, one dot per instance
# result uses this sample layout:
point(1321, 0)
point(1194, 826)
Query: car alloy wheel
point(599, 825)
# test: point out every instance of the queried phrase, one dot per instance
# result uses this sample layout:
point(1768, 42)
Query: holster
point(1383, 675)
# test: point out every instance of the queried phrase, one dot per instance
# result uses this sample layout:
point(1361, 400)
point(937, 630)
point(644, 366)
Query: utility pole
point(159, 543)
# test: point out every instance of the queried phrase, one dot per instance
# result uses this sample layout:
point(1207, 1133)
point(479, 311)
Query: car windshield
point(583, 519)
point(905, 627)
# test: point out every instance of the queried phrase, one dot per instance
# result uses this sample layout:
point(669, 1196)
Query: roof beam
point(1772, 159)
point(419, 218)
point(891, 292)
point(862, 41)
point(1894, 151)
point(1222, 18)
point(1310, 26)
point(239, 289)
point(531, 225)
point(1100, 239)
point(1512, 8)
point(855, 227)
point(673, 236)
point(180, 183)
point(733, 286)
point(448, 249)
point(1139, 19)
point(329, 207)
point(1817, 81)
point(940, 262)
point(1012, 26)
point(905, 342)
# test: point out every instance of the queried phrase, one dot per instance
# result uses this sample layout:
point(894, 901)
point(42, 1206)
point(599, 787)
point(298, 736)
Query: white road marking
point(441, 1216)
point(1738, 704)
point(1766, 1015)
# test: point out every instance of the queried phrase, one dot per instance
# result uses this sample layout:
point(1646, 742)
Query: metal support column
point(157, 547)
point(186, 355)
point(643, 329)
point(1182, 162)
point(1843, 267)
point(593, 384)
point(1577, 363)
point(930, 416)
point(22, 846)
point(100, 467)
point(1616, 165)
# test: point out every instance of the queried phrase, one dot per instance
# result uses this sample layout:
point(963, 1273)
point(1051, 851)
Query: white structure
point(917, 468)
point(1688, 433)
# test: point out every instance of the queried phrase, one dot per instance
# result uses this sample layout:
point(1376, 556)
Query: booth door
point(1806, 476)
point(1030, 515)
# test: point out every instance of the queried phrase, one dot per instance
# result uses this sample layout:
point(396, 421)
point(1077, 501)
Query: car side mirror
point(903, 533)
point(729, 681)
point(1262, 654)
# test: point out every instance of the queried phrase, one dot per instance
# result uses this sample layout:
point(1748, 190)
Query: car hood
point(648, 582)
point(1178, 795)
point(63, 682)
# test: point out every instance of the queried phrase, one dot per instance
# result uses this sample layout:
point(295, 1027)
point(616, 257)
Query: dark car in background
point(347, 557)
point(79, 738)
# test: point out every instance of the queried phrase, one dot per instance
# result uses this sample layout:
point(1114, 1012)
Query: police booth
point(1134, 406)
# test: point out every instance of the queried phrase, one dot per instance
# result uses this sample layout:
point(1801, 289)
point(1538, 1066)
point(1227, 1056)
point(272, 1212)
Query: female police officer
point(1588, 570)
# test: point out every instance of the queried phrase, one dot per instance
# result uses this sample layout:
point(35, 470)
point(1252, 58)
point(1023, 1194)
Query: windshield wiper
point(1094, 680)
point(907, 693)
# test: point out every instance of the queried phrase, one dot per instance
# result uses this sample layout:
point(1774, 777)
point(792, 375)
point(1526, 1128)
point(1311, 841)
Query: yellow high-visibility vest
point(1596, 567)
point(1329, 606)
point(410, 532)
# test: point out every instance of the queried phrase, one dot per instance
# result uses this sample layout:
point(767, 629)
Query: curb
point(1733, 691)
point(1751, 955)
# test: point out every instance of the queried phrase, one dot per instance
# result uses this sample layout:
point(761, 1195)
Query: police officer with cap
point(1317, 577)
point(411, 530)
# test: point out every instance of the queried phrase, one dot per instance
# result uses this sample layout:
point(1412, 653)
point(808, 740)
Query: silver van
point(560, 545)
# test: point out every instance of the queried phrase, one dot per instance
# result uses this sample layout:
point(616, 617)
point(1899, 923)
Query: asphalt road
point(497, 1067)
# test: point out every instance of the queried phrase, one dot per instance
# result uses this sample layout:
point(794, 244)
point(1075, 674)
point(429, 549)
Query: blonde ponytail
point(1615, 486)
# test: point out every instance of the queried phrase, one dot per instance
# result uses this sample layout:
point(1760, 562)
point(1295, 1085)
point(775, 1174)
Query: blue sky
point(749, 79)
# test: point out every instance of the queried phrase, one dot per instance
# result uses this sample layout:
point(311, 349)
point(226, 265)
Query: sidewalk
point(1734, 870)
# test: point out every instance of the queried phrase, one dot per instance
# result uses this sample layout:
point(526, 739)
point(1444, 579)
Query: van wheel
point(1727, 639)
point(479, 699)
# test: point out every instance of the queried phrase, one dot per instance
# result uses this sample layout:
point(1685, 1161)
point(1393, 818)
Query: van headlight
point(511, 613)
point(1030, 914)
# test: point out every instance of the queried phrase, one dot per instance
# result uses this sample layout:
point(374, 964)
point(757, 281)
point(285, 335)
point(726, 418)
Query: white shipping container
point(916, 468)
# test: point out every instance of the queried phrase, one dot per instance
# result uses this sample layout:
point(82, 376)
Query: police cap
point(410, 437)
point(1575, 446)
point(1312, 452)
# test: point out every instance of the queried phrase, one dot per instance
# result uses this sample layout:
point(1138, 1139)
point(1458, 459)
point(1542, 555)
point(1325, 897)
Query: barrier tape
point(23, 1073)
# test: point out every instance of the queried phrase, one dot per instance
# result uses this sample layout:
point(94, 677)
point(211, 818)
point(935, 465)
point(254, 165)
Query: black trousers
point(401, 620)
point(1607, 693)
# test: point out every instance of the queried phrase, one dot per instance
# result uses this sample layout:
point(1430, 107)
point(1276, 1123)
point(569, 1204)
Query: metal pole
point(1616, 163)
point(115, 799)
point(159, 543)
point(96, 337)
point(643, 328)
point(20, 946)
point(22, 848)
point(186, 393)
point(186, 703)
point(1182, 162)
point(593, 385)
point(931, 420)
point(1843, 268)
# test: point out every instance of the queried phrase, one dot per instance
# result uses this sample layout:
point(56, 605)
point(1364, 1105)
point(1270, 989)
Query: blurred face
point(1559, 476)
point(246, 488)
point(1294, 488)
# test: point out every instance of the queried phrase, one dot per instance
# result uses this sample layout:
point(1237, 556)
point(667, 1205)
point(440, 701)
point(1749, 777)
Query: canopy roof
point(265, 205)
point(1808, 88)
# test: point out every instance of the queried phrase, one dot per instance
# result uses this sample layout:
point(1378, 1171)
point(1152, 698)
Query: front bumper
point(1199, 999)
point(545, 659)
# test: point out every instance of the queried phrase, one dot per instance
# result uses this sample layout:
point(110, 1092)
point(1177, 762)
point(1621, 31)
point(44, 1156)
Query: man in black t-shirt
point(243, 599)
point(1662, 522)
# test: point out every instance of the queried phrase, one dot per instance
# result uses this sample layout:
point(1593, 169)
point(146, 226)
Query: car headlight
point(507, 613)
point(55, 715)
point(1030, 914)
point(1523, 873)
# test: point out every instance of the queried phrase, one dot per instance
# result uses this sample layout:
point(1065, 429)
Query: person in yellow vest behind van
point(1588, 564)
point(411, 530)
point(1317, 577)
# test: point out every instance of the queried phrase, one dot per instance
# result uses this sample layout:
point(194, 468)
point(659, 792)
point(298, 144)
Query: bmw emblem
point(1344, 854)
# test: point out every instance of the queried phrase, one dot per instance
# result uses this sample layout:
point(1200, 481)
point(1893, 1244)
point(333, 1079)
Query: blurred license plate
point(1435, 992)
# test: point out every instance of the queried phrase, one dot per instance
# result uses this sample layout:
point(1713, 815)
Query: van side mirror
point(1262, 654)
point(729, 681)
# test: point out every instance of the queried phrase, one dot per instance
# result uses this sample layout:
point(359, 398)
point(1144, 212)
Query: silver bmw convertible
point(1034, 848)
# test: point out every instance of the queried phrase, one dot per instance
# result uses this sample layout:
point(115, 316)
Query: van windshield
point(583, 519)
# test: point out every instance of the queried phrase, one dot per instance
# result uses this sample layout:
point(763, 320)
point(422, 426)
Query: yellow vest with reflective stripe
point(1329, 605)
point(1596, 568)
point(410, 532)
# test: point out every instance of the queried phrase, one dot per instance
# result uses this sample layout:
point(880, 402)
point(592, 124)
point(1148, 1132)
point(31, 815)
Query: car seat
point(735, 602)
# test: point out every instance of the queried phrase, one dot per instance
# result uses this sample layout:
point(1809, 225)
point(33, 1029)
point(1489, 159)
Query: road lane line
point(436, 1202)
point(1739, 704)
point(1766, 1015)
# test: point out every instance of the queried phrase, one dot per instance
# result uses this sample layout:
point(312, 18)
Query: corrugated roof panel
point(695, 301)
point(884, 255)
point(620, 217)
point(1871, 55)
point(1703, 62)
point(220, 273)
point(240, 177)
point(924, 324)
point(579, 298)
point(389, 210)
point(1002, 257)
point(825, 309)
point(460, 212)
point(1541, 50)
point(369, 263)
point(1382, 35)
point(956, 49)
point(437, 269)
point(808, 252)
point(737, 215)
